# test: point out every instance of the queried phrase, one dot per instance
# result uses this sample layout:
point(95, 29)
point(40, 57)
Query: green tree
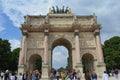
point(14, 58)
point(4, 54)
point(111, 50)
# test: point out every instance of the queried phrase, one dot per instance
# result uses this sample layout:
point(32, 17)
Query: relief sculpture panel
point(87, 40)
point(35, 43)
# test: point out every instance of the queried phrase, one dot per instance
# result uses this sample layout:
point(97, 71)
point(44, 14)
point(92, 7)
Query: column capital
point(79, 65)
point(46, 32)
point(76, 32)
point(25, 32)
point(96, 32)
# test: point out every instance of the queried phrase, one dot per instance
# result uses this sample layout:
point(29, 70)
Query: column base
point(45, 72)
point(100, 69)
point(79, 66)
point(21, 69)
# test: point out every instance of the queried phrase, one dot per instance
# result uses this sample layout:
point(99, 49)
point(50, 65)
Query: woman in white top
point(12, 77)
point(20, 77)
point(105, 76)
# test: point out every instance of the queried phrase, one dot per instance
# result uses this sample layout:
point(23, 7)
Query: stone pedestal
point(80, 67)
point(100, 69)
point(21, 69)
point(45, 72)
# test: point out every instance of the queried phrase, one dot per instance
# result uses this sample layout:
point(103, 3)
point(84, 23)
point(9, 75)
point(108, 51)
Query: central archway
point(67, 45)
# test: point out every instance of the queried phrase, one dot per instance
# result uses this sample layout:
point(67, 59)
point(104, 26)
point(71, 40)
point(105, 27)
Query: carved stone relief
point(87, 40)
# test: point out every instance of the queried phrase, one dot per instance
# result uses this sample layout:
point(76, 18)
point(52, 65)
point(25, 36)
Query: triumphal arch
point(79, 34)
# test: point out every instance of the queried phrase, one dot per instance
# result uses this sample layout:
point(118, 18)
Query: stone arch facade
point(79, 34)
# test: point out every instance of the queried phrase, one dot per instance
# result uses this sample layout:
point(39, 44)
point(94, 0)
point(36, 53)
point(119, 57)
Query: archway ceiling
point(61, 42)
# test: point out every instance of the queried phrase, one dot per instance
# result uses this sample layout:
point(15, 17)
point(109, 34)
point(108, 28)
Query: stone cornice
point(90, 48)
point(46, 26)
point(76, 26)
point(53, 28)
point(60, 15)
point(96, 26)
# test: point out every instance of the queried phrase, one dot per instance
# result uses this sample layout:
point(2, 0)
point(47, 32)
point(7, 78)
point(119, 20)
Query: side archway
point(35, 63)
point(88, 62)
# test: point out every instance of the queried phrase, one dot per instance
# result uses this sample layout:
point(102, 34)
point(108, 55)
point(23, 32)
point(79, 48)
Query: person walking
point(116, 72)
point(87, 75)
point(78, 74)
point(2, 75)
point(57, 75)
point(105, 76)
point(12, 77)
point(94, 76)
point(20, 76)
point(51, 75)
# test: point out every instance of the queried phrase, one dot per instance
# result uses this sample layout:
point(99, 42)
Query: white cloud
point(107, 11)
point(14, 43)
point(15, 10)
point(59, 56)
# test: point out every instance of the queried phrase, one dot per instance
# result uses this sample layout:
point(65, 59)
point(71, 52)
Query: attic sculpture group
point(62, 10)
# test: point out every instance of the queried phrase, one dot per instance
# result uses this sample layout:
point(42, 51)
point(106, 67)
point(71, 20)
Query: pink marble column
point(77, 46)
point(22, 51)
point(99, 46)
point(46, 47)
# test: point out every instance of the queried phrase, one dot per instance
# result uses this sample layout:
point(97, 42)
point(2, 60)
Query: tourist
point(33, 76)
point(2, 75)
point(116, 72)
point(20, 76)
point(12, 76)
point(63, 75)
point(25, 76)
point(57, 75)
point(51, 75)
point(87, 75)
point(78, 74)
point(68, 76)
point(74, 74)
point(105, 76)
point(6, 75)
point(94, 76)
point(37, 74)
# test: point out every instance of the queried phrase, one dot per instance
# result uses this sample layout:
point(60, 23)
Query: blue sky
point(12, 12)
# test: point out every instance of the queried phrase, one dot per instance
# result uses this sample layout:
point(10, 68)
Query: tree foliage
point(14, 58)
point(4, 54)
point(8, 58)
point(111, 50)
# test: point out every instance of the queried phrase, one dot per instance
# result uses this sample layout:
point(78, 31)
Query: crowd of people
point(72, 75)
point(8, 75)
point(58, 75)
point(65, 74)
point(77, 75)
